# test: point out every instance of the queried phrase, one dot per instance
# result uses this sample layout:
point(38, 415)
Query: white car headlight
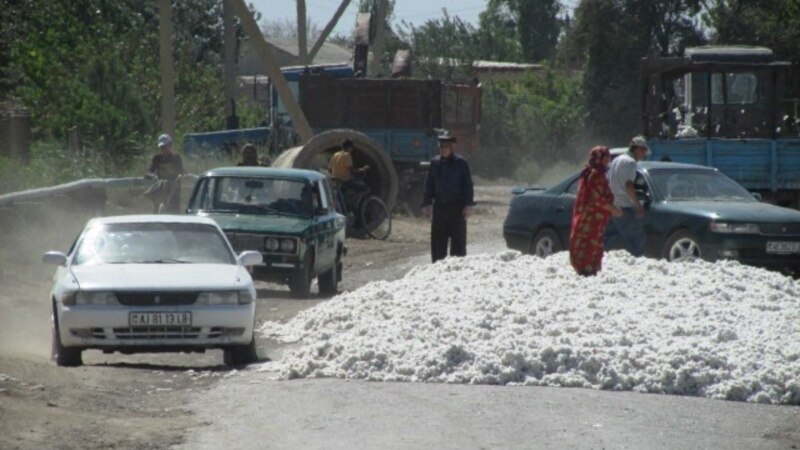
point(271, 244)
point(287, 245)
point(735, 228)
point(224, 298)
point(95, 298)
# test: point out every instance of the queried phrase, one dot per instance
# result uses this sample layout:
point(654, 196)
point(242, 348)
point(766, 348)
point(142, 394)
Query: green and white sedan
point(286, 214)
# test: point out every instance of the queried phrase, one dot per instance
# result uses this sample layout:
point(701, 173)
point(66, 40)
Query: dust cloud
point(26, 232)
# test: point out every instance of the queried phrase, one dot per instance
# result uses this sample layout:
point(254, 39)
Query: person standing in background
point(594, 204)
point(166, 167)
point(449, 197)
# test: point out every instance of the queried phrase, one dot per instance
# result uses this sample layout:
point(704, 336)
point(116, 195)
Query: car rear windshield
point(153, 243)
point(253, 196)
point(697, 185)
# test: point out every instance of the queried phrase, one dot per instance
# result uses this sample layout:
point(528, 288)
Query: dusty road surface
point(193, 401)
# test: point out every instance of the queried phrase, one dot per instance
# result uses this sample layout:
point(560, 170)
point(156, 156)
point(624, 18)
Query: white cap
point(640, 141)
point(164, 139)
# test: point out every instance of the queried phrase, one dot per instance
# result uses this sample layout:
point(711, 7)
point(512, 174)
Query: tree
point(443, 48)
point(520, 30)
point(538, 28)
point(770, 23)
point(93, 64)
point(497, 36)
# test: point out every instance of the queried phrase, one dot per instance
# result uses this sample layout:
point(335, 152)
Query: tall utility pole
point(167, 67)
point(378, 44)
point(229, 53)
point(302, 38)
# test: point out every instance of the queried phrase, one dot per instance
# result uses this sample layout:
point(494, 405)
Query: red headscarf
point(596, 156)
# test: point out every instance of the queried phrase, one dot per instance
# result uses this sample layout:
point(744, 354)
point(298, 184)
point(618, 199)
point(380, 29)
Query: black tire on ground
point(329, 281)
point(63, 356)
point(240, 355)
point(682, 245)
point(375, 218)
point(545, 243)
point(300, 283)
point(314, 154)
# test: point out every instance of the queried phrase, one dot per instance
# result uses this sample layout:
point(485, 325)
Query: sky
point(412, 11)
point(718, 330)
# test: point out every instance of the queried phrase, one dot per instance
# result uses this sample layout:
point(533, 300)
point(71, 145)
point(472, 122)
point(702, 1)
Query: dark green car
point(286, 214)
point(692, 212)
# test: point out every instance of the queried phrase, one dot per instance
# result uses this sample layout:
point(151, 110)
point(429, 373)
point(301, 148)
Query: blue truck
point(733, 108)
point(393, 123)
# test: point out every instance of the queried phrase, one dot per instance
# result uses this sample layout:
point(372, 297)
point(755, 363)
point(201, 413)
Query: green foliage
point(530, 124)
point(519, 30)
point(771, 23)
point(497, 34)
point(444, 48)
point(93, 65)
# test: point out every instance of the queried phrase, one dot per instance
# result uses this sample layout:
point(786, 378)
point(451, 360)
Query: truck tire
point(314, 155)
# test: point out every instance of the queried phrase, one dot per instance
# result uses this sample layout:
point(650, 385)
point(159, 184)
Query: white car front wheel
point(63, 356)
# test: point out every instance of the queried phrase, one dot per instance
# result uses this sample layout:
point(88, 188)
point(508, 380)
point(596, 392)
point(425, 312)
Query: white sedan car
point(152, 283)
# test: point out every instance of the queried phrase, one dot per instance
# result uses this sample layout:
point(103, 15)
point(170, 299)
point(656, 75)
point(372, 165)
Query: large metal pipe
point(315, 154)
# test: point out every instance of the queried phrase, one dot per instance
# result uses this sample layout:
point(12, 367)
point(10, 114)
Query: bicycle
point(162, 193)
point(370, 216)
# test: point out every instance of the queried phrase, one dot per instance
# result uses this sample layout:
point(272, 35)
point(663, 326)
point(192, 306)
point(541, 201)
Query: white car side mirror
point(250, 258)
point(55, 258)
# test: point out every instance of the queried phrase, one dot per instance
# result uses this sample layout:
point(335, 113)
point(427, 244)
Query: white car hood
point(169, 277)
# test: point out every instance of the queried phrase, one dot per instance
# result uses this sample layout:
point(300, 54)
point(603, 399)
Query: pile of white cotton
point(720, 330)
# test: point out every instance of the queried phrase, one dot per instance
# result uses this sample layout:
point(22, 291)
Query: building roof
point(329, 53)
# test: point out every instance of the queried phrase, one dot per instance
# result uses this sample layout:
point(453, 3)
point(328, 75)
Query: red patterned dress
point(589, 219)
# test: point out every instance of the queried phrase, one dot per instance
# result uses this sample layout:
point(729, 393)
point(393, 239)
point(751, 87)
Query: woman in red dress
point(594, 205)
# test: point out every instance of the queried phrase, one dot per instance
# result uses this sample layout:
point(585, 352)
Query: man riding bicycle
point(341, 169)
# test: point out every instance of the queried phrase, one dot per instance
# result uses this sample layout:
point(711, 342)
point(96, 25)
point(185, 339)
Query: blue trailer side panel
point(759, 164)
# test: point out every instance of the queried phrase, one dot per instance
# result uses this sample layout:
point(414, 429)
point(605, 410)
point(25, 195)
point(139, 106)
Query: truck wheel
point(545, 243)
point(240, 355)
point(300, 283)
point(63, 356)
point(682, 246)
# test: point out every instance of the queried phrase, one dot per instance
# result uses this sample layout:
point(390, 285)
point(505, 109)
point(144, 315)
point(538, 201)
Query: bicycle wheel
point(375, 218)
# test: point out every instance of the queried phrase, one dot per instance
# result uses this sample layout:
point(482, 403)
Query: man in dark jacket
point(449, 193)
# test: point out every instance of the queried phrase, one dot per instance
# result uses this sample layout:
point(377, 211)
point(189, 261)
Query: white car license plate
point(783, 247)
point(138, 319)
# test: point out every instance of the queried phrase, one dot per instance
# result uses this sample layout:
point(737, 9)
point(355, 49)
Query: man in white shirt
point(621, 175)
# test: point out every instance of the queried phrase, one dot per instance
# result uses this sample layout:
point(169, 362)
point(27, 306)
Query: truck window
point(741, 87)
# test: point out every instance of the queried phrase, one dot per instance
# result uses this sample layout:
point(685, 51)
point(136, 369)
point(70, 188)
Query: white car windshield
point(698, 185)
point(153, 243)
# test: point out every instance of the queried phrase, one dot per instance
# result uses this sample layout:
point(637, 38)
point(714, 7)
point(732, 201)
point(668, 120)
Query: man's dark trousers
point(448, 224)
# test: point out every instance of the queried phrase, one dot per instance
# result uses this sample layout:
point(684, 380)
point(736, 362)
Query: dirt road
point(139, 401)
point(193, 401)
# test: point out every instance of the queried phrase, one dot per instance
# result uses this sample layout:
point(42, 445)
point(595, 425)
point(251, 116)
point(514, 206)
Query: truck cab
point(734, 108)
